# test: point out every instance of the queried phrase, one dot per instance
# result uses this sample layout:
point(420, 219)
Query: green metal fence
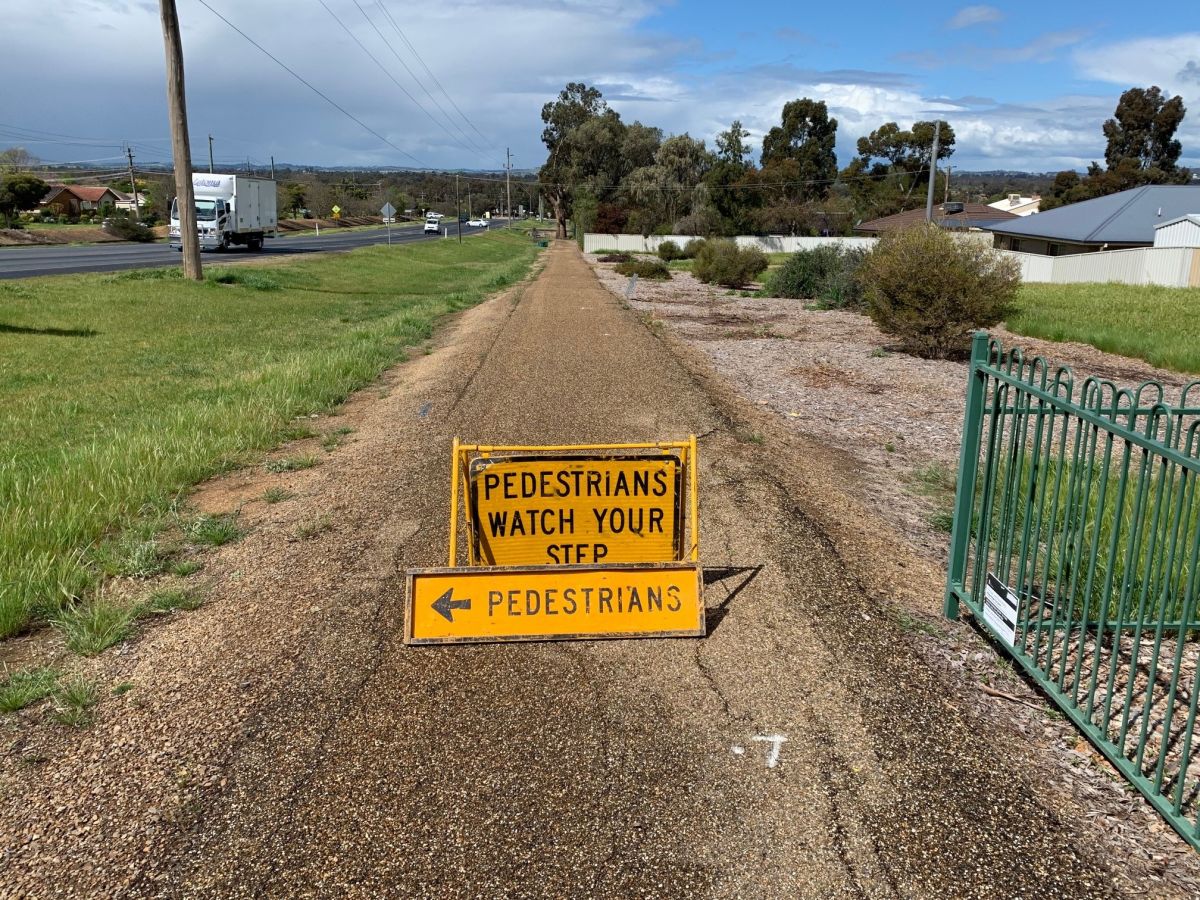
point(1076, 543)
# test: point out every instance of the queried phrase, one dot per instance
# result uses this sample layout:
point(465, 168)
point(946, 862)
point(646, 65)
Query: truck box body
point(231, 209)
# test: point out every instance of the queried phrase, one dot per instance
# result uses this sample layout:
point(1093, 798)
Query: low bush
point(827, 274)
point(723, 262)
point(692, 247)
point(931, 290)
point(128, 230)
point(616, 257)
point(653, 269)
point(669, 250)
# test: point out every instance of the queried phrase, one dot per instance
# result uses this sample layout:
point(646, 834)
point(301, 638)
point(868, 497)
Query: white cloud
point(499, 70)
point(1172, 62)
point(969, 16)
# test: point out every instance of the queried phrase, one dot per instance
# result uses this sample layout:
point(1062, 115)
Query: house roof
point(1194, 218)
point(1013, 200)
point(973, 215)
point(1127, 217)
point(83, 192)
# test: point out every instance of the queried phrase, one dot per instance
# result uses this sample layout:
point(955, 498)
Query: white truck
point(230, 209)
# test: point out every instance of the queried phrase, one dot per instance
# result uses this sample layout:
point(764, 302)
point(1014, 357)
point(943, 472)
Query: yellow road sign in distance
point(573, 510)
point(484, 604)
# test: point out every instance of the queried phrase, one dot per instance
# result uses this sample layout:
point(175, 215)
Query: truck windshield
point(206, 210)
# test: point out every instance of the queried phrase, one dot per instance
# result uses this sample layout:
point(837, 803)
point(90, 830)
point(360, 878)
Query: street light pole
point(457, 210)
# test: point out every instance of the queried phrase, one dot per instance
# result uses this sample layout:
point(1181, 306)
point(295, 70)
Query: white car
point(432, 226)
point(477, 223)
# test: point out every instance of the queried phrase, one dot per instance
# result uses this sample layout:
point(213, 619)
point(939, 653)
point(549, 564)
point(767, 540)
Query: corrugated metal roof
point(1195, 219)
point(1127, 217)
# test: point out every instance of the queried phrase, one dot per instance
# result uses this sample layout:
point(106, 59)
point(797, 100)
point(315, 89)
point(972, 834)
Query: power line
point(310, 86)
point(475, 147)
point(383, 68)
point(388, 15)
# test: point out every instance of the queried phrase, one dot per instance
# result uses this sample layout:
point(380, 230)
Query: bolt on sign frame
point(1076, 545)
point(465, 456)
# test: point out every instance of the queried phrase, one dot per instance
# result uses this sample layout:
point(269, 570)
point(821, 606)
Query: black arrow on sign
point(445, 604)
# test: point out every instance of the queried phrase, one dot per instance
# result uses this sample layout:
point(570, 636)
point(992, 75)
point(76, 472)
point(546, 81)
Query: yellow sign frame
point(461, 465)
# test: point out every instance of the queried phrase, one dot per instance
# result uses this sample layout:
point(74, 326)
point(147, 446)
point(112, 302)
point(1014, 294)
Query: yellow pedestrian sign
point(578, 541)
point(486, 604)
point(570, 510)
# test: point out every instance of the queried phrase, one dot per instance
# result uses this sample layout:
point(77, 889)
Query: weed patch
point(291, 463)
point(276, 495)
point(25, 687)
point(214, 531)
point(93, 626)
point(73, 701)
point(166, 600)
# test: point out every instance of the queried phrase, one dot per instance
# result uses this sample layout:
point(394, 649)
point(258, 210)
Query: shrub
point(128, 230)
point(692, 247)
point(826, 273)
point(616, 257)
point(669, 250)
point(653, 269)
point(723, 262)
point(931, 291)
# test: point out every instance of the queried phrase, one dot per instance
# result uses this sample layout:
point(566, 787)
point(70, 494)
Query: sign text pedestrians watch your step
point(577, 541)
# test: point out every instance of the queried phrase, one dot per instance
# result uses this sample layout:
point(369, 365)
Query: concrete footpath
point(289, 745)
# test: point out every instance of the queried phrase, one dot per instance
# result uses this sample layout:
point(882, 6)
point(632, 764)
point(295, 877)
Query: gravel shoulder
point(867, 426)
point(282, 741)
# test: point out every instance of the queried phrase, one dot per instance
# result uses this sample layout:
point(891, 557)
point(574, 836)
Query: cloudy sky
point(451, 84)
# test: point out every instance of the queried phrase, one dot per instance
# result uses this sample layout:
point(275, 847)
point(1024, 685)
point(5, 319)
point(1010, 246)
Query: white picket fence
point(635, 243)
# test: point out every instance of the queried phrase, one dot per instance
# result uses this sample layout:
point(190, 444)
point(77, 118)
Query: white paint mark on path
point(776, 741)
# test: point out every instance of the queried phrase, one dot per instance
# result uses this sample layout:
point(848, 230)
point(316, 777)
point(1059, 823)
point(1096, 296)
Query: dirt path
point(281, 741)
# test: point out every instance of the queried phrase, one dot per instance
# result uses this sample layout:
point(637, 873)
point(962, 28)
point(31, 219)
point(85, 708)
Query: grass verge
point(1157, 324)
point(121, 390)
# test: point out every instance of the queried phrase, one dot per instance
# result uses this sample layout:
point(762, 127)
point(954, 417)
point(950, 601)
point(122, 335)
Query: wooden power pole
point(133, 185)
point(185, 198)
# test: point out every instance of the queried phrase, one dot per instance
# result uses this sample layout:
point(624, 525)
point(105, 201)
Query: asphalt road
point(26, 262)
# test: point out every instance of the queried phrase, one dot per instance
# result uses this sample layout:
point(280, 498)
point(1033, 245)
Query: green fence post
point(968, 463)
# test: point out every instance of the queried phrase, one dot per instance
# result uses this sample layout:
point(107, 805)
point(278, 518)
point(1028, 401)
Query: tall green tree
point(1141, 149)
point(806, 135)
point(731, 145)
point(18, 193)
point(1143, 129)
point(567, 160)
point(893, 165)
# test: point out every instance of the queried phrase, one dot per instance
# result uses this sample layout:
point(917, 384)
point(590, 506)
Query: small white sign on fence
point(1000, 608)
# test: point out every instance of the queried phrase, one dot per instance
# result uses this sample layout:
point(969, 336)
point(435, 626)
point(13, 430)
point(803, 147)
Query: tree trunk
point(560, 214)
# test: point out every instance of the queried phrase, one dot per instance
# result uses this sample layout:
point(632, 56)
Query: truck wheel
point(255, 244)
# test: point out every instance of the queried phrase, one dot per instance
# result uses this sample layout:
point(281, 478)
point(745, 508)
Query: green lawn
point(118, 391)
point(1160, 325)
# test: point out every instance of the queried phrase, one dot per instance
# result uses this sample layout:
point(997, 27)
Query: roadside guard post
point(580, 541)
